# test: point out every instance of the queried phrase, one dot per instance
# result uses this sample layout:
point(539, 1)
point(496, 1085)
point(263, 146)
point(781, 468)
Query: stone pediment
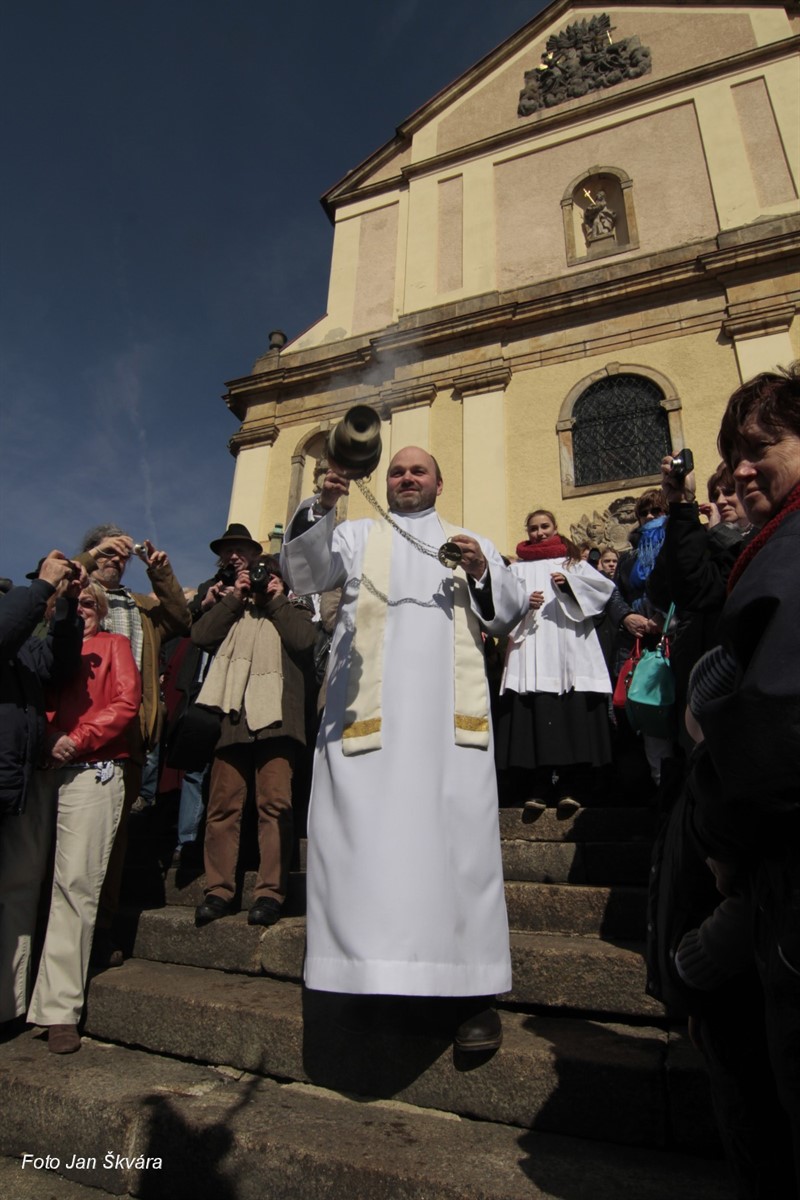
point(501, 96)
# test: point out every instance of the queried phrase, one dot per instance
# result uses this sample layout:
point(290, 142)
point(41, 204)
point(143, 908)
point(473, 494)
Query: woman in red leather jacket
point(82, 788)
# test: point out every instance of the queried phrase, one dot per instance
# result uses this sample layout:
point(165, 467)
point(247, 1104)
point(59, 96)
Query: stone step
point(585, 974)
point(577, 862)
point(611, 912)
point(621, 824)
point(211, 1134)
point(549, 904)
point(31, 1183)
point(586, 1078)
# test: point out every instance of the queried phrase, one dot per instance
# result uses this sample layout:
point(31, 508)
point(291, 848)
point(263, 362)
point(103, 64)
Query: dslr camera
point(226, 575)
point(260, 576)
point(682, 464)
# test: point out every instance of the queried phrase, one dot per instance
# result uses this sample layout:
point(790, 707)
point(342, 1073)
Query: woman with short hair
point(88, 721)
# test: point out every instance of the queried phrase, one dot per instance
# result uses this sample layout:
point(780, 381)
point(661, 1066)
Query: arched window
point(620, 430)
point(615, 428)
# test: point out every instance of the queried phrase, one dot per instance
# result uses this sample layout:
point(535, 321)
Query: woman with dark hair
point(740, 812)
point(693, 567)
point(724, 507)
point(553, 712)
point(263, 647)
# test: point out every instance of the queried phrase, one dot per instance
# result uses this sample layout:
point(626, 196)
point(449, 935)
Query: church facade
point(557, 270)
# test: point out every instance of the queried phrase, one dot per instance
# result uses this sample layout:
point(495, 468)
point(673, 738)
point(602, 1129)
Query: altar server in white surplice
point(405, 882)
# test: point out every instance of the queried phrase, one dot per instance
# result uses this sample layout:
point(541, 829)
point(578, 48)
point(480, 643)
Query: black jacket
point(26, 664)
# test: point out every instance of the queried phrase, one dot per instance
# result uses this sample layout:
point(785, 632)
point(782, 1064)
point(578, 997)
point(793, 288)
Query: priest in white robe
point(405, 881)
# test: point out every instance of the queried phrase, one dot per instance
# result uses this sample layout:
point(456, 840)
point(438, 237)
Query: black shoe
point(265, 911)
point(483, 1031)
point(104, 952)
point(212, 908)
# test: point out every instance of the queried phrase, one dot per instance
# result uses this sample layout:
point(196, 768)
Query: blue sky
point(163, 162)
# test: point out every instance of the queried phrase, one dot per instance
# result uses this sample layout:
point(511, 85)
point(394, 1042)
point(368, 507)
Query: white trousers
point(87, 816)
point(25, 842)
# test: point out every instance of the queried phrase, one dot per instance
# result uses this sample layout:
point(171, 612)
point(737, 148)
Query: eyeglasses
point(87, 604)
point(653, 512)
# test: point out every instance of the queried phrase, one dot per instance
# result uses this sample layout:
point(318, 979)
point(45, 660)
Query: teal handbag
point(651, 694)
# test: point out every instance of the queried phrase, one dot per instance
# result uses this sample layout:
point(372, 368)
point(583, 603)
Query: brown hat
point(236, 533)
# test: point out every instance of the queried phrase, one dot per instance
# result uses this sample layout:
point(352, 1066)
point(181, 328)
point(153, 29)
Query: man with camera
point(263, 650)
point(27, 664)
point(147, 621)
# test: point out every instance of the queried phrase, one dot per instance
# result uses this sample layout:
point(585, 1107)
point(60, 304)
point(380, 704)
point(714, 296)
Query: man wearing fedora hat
point(262, 644)
point(236, 548)
point(191, 732)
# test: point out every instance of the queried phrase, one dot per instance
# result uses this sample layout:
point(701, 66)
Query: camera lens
point(260, 576)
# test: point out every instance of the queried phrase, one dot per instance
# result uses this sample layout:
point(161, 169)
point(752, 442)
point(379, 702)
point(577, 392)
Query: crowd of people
point(417, 687)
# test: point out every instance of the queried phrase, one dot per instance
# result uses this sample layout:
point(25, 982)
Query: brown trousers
point(269, 765)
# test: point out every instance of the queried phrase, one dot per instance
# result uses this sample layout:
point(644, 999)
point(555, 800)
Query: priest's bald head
point(413, 481)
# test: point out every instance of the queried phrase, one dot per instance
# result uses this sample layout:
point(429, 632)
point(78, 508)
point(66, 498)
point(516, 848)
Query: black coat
point(746, 774)
point(26, 664)
point(692, 572)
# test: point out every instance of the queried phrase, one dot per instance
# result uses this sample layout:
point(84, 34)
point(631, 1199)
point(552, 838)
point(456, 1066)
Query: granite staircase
point(203, 1053)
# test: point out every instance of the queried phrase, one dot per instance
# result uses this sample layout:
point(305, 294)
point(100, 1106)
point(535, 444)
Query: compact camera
point(682, 464)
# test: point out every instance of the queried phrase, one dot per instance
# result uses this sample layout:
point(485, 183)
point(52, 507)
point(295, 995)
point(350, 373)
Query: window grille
point(620, 430)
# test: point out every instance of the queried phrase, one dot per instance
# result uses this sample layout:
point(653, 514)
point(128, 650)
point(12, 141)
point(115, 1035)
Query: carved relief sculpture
point(582, 58)
point(610, 528)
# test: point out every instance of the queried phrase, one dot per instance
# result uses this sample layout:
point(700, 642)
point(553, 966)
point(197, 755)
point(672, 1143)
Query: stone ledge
point(595, 1080)
point(221, 1137)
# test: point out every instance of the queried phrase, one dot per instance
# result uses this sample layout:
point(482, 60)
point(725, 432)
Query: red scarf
point(790, 504)
point(552, 547)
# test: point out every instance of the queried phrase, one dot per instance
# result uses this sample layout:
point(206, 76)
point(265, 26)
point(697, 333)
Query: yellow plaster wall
point(479, 228)
point(771, 24)
point(784, 97)
point(450, 257)
point(678, 39)
point(342, 285)
point(375, 272)
point(703, 372)
point(673, 204)
point(446, 441)
point(768, 165)
point(421, 249)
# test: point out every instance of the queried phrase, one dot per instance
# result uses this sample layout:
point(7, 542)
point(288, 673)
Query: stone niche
point(599, 215)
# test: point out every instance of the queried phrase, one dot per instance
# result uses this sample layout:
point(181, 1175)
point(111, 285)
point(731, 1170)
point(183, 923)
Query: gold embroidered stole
point(363, 721)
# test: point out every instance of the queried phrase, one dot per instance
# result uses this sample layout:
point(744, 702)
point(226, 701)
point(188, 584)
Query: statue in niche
point(320, 471)
point(598, 219)
point(580, 59)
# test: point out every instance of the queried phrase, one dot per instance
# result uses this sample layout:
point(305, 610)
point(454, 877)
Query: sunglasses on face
point(90, 604)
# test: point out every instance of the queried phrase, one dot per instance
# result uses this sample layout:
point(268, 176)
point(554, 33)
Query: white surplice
point(556, 648)
point(405, 881)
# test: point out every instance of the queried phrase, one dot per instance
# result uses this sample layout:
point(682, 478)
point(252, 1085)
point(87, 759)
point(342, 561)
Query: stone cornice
point(260, 433)
point(490, 379)
point(552, 119)
point(581, 295)
point(760, 322)
point(732, 256)
point(405, 395)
